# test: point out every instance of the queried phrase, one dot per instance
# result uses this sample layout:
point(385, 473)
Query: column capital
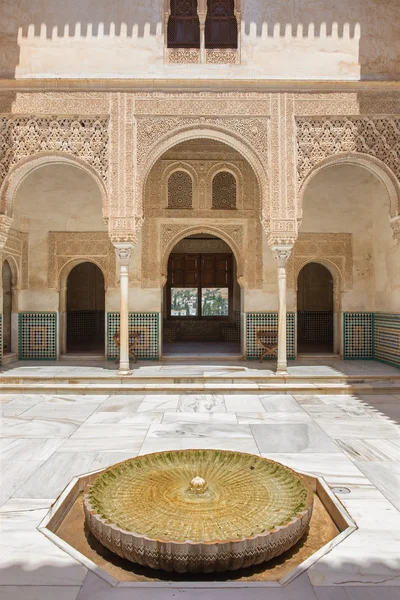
point(281, 253)
point(123, 250)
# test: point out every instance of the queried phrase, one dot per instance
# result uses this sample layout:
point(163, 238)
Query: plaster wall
point(52, 198)
point(349, 199)
point(317, 39)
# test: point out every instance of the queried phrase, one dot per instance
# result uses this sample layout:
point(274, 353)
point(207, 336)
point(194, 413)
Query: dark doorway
point(7, 307)
point(85, 309)
point(202, 299)
point(314, 310)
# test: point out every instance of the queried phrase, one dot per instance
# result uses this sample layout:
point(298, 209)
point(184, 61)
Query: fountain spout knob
point(198, 485)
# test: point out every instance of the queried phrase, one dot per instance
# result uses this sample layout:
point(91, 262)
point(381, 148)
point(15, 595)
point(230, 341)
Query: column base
point(281, 371)
point(124, 371)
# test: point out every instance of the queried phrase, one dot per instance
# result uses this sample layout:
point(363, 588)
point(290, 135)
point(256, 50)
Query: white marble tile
point(110, 430)
point(121, 403)
point(35, 428)
point(125, 418)
point(61, 412)
point(280, 403)
point(201, 430)
point(243, 402)
point(308, 400)
point(386, 477)
point(159, 403)
point(13, 474)
point(31, 559)
point(292, 437)
point(271, 417)
point(103, 444)
point(355, 592)
point(370, 450)
point(199, 417)
point(52, 477)
point(201, 403)
point(39, 592)
point(28, 448)
point(159, 444)
point(333, 467)
point(359, 428)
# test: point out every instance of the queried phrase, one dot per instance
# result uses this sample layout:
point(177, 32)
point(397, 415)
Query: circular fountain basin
point(198, 510)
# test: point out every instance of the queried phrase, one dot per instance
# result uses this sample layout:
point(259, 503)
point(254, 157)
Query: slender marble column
point(123, 252)
point(281, 254)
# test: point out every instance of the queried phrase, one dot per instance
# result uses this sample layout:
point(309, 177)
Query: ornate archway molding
point(248, 136)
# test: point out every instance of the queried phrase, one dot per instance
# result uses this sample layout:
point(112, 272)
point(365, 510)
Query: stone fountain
point(198, 511)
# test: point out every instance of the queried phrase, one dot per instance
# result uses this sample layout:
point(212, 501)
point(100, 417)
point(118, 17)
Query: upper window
point(180, 190)
point(183, 25)
point(224, 190)
point(221, 25)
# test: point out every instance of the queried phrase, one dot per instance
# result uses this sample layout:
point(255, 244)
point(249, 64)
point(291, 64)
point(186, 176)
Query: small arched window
point(180, 190)
point(183, 25)
point(224, 190)
point(221, 26)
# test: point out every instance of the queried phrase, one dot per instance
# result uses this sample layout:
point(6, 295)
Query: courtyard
point(350, 439)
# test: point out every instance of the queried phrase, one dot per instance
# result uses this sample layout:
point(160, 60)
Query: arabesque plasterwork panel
point(73, 247)
point(83, 137)
point(319, 138)
point(331, 249)
point(16, 247)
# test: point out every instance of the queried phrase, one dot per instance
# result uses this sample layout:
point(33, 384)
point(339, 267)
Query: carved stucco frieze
point(204, 103)
point(68, 249)
point(16, 247)
point(334, 250)
point(319, 138)
point(83, 137)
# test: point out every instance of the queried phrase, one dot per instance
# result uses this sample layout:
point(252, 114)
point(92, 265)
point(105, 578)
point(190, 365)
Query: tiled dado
point(1, 339)
point(268, 321)
point(38, 336)
point(358, 335)
point(148, 326)
point(387, 338)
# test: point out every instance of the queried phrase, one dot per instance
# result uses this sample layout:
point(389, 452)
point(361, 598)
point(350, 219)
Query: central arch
point(206, 132)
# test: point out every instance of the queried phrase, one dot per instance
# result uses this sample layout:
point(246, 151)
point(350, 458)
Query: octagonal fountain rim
point(220, 542)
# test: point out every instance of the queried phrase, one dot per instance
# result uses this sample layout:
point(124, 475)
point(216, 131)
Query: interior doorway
point(201, 299)
point(7, 307)
point(85, 310)
point(315, 310)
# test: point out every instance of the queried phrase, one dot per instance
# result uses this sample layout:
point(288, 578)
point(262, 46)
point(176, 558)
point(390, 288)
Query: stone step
point(126, 386)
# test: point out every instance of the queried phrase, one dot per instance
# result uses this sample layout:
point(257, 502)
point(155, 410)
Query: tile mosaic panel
point(147, 324)
point(38, 336)
point(268, 322)
point(1, 339)
point(387, 338)
point(358, 335)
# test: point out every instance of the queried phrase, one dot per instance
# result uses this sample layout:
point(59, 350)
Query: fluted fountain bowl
point(198, 510)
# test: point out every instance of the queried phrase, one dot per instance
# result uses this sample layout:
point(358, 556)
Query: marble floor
point(352, 441)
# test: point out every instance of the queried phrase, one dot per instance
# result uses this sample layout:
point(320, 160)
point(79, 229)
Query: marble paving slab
point(386, 477)
point(22, 449)
point(292, 437)
point(217, 429)
point(359, 428)
point(370, 450)
point(36, 428)
point(201, 403)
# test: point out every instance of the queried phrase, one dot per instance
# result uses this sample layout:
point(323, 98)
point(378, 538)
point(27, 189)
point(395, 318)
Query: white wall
point(295, 39)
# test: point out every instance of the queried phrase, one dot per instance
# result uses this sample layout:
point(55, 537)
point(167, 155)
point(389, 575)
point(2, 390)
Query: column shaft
point(281, 255)
point(123, 252)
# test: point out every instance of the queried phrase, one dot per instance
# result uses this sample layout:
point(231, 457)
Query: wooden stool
point(134, 338)
point(268, 340)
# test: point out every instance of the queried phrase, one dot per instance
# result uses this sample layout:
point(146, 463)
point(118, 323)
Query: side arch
point(25, 167)
point(187, 168)
point(338, 283)
point(233, 170)
point(62, 275)
point(371, 164)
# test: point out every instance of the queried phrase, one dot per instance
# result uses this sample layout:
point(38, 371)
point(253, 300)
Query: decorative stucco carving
point(83, 137)
point(67, 249)
point(180, 190)
point(318, 138)
point(183, 56)
point(224, 190)
point(16, 246)
point(334, 250)
point(221, 56)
